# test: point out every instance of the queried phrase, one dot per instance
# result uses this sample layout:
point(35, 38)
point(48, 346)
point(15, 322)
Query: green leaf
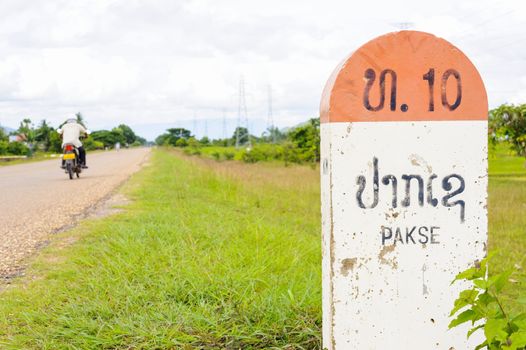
point(518, 339)
point(467, 274)
point(485, 299)
point(522, 299)
point(481, 346)
point(465, 316)
point(495, 329)
point(473, 330)
point(482, 284)
point(466, 297)
point(502, 280)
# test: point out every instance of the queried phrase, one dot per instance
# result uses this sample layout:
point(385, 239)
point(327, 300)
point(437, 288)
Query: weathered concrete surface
point(403, 176)
point(37, 199)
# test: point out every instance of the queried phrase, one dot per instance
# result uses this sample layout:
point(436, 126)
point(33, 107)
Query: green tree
point(240, 136)
point(55, 142)
point(128, 133)
point(172, 136)
point(80, 119)
point(508, 122)
point(43, 134)
point(3, 135)
point(306, 139)
point(3, 147)
point(26, 130)
point(105, 136)
point(273, 135)
point(118, 136)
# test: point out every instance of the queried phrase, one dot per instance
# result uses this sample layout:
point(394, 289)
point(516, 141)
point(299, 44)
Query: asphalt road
point(37, 199)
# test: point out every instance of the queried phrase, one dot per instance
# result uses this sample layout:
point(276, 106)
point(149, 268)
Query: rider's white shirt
point(71, 133)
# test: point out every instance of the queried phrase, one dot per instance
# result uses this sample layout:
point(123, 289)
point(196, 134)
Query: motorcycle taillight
point(68, 148)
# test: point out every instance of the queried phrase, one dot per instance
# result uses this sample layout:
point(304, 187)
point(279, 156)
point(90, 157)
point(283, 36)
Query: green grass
point(503, 163)
point(220, 151)
point(507, 218)
point(209, 255)
point(39, 156)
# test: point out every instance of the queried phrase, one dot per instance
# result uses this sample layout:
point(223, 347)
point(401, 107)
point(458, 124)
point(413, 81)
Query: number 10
point(430, 77)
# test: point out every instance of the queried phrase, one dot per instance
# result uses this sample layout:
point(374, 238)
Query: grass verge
point(208, 255)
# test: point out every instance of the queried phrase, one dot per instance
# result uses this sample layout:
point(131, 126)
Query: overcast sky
point(152, 64)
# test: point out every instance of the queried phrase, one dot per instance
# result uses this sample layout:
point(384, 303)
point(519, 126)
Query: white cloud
point(161, 61)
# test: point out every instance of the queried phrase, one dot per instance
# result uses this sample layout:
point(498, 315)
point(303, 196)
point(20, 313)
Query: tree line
point(45, 138)
point(296, 145)
point(507, 123)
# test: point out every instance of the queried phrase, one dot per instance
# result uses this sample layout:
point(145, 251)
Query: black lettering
point(430, 199)
point(422, 235)
point(445, 77)
point(398, 236)
point(409, 234)
point(386, 237)
point(407, 200)
point(361, 182)
point(391, 178)
point(447, 186)
point(370, 76)
point(430, 77)
point(433, 235)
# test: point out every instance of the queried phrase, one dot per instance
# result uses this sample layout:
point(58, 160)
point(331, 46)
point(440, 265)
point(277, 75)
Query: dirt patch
point(348, 265)
point(388, 261)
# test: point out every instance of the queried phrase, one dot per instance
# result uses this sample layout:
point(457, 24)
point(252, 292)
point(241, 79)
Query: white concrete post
point(404, 177)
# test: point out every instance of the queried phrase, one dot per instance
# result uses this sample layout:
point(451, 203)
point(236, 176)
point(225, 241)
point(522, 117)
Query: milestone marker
point(404, 177)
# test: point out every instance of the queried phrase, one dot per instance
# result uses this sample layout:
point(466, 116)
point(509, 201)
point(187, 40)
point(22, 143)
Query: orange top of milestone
point(404, 76)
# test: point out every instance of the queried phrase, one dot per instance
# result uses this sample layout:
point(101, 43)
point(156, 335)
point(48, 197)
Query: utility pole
point(242, 114)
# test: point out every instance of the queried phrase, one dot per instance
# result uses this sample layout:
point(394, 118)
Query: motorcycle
point(71, 162)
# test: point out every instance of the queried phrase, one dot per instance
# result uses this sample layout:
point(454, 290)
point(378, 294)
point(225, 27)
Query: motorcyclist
point(71, 131)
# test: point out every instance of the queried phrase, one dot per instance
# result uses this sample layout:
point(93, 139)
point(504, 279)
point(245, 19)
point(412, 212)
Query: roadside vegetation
point(211, 255)
point(298, 145)
point(208, 255)
point(37, 141)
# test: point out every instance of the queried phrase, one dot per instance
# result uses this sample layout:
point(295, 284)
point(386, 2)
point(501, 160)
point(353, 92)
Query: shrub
point(216, 155)
point(482, 304)
point(290, 153)
point(91, 144)
point(192, 151)
point(3, 147)
point(181, 143)
point(255, 154)
point(229, 155)
point(17, 149)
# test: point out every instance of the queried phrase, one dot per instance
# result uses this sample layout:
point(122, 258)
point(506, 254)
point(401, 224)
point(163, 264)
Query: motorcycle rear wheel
point(69, 169)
